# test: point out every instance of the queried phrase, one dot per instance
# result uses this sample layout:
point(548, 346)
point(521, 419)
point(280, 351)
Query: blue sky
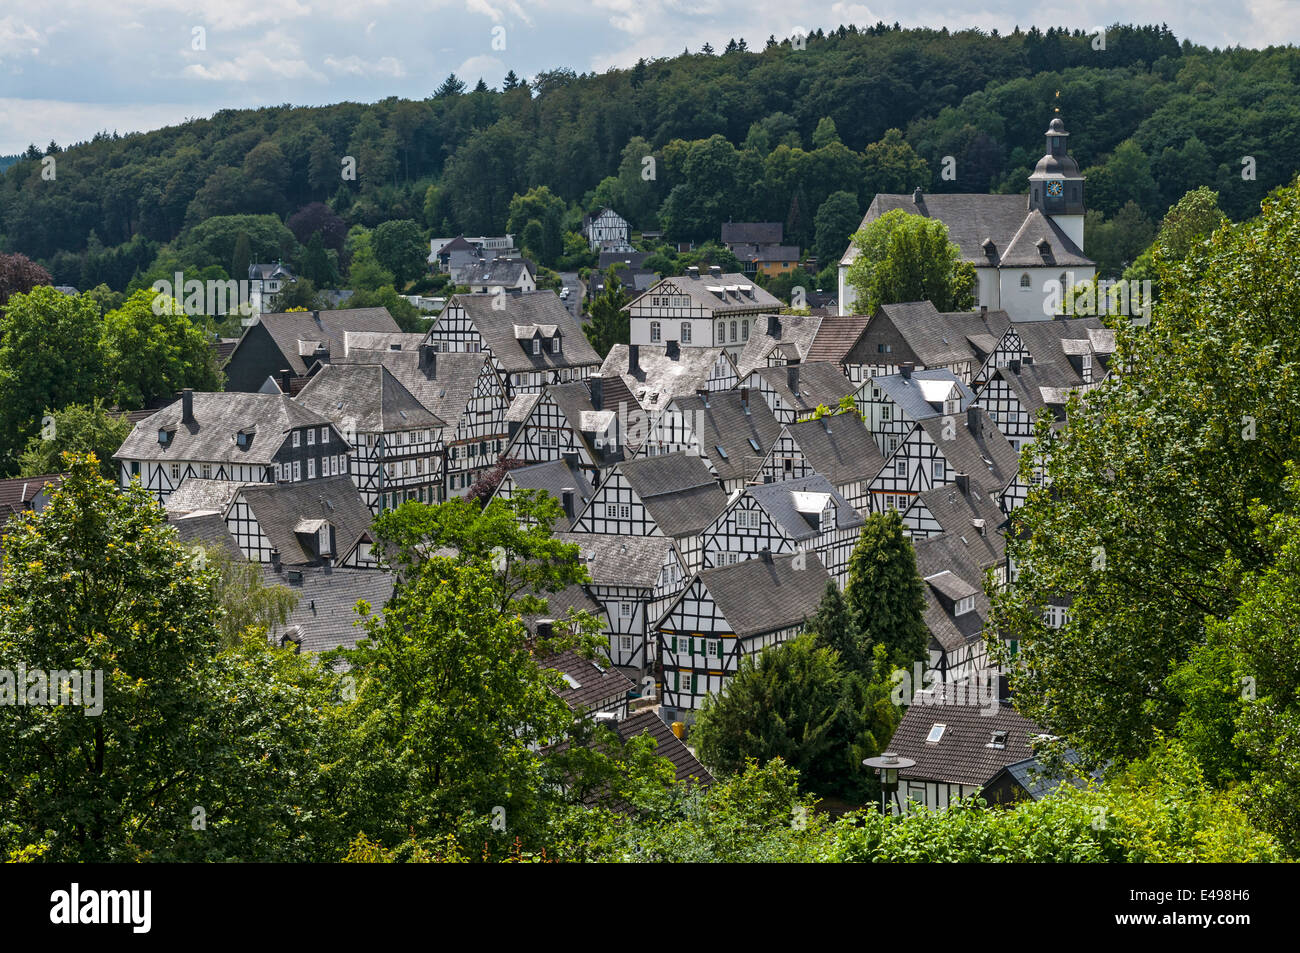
point(69, 68)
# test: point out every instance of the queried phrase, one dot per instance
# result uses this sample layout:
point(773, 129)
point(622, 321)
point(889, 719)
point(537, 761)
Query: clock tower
point(1056, 185)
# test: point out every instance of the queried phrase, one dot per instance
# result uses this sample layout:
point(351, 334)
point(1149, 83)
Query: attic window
point(243, 438)
point(165, 436)
point(964, 606)
point(754, 443)
point(555, 344)
point(570, 680)
point(721, 453)
point(936, 732)
point(537, 345)
point(997, 739)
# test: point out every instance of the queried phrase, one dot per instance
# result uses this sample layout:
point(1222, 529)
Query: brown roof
point(687, 766)
point(835, 336)
point(962, 755)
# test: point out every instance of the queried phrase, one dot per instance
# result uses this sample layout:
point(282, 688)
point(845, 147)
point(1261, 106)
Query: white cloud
point(354, 65)
point(489, 68)
point(24, 121)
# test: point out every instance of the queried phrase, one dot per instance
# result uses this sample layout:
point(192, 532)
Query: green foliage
point(609, 324)
point(538, 216)
point(408, 317)
point(216, 240)
point(885, 593)
point(249, 605)
point(400, 248)
point(837, 218)
point(904, 257)
point(77, 428)
point(317, 266)
point(148, 356)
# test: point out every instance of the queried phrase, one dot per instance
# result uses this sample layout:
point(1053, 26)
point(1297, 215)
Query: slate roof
point(972, 218)
point(756, 596)
point(910, 393)
point(380, 341)
point(778, 500)
point(296, 332)
point(804, 387)
point(633, 259)
point(1036, 782)
point(218, 418)
point(207, 527)
point(327, 599)
point(506, 272)
point(957, 514)
point(984, 454)
point(792, 330)
point(586, 423)
point(368, 396)
point(1036, 386)
point(621, 560)
point(659, 378)
point(724, 423)
point(497, 328)
point(1050, 343)
point(839, 447)
point(554, 477)
point(744, 295)
point(445, 387)
point(950, 337)
point(281, 507)
point(752, 233)
point(946, 554)
point(685, 764)
point(835, 337)
point(678, 490)
point(595, 686)
point(962, 755)
point(197, 494)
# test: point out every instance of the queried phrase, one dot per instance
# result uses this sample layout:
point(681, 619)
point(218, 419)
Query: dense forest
point(804, 136)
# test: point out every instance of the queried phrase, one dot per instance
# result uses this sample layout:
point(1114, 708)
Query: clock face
point(1055, 187)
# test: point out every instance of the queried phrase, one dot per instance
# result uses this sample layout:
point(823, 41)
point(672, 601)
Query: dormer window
point(997, 739)
point(165, 436)
point(537, 345)
point(1024, 282)
point(243, 438)
point(964, 606)
point(556, 346)
point(323, 540)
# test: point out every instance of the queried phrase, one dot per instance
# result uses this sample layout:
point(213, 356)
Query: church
point(1025, 249)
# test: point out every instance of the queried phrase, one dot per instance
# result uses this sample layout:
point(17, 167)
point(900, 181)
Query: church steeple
point(1056, 184)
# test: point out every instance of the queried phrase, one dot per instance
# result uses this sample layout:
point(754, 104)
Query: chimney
point(566, 497)
point(792, 376)
point(973, 419)
point(286, 377)
point(1014, 364)
point(715, 271)
point(429, 360)
point(597, 385)
point(906, 369)
point(963, 483)
point(766, 555)
point(672, 351)
point(187, 406)
point(918, 196)
point(634, 359)
point(744, 398)
point(693, 271)
point(773, 326)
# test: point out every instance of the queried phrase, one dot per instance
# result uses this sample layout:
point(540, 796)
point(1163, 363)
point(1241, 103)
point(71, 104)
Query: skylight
point(997, 740)
point(754, 443)
point(722, 453)
point(936, 732)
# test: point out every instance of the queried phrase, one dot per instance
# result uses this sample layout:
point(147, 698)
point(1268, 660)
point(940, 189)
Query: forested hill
point(1149, 118)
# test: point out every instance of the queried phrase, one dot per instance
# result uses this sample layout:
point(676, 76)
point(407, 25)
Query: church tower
point(1056, 185)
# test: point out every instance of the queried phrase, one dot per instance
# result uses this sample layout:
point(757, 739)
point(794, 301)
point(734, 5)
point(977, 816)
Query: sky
point(70, 68)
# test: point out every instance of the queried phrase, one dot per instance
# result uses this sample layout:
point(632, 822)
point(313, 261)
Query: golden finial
point(1057, 107)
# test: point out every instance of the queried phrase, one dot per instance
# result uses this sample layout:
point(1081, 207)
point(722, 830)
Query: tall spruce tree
point(885, 593)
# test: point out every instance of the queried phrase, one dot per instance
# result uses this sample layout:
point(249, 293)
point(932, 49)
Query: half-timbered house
point(561, 479)
point(891, 403)
point(711, 310)
point(806, 516)
point(674, 495)
point(916, 333)
point(726, 614)
point(794, 391)
point(1067, 349)
point(321, 523)
point(606, 229)
point(531, 338)
point(958, 747)
point(296, 342)
point(937, 450)
point(565, 422)
point(244, 438)
point(838, 446)
point(644, 377)
point(777, 340)
point(396, 441)
point(729, 430)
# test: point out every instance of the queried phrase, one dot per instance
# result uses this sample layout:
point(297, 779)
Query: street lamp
point(887, 766)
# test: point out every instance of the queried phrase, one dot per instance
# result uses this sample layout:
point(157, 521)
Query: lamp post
point(887, 765)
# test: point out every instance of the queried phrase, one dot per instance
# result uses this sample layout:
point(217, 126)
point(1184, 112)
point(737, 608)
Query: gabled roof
point(507, 272)
point(722, 421)
point(983, 453)
point(686, 766)
point(916, 393)
point(941, 338)
point(444, 386)
point(554, 477)
point(326, 612)
point(587, 685)
point(1051, 343)
point(717, 293)
point(951, 573)
point(659, 378)
point(752, 233)
point(756, 596)
point(205, 527)
point(678, 490)
point(368, 396)
point(959, 515)
point(1040, 243)
point(835, 337)
point(621, 560)
point(781, 502)
point(805, 387)
point(962, 754)
point(792, 330)
point(196, 494)
point(839, 447)
point(284, 510)
point(587, 423)
point(218, 418)
point(16, 494)
point(292, 331)
point(496, 325)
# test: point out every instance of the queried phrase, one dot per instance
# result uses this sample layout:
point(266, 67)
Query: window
point(722, 333)
point(406, 468)
point(686, 332)
point(176, 471)
point(997, 739)
point(889, 501)
point(625, 643)
point(900, 467)
point(1056, 616)
point(537, 345)
point(655, 334)
point(297, 471)
point(789, 465)
point(744, 330)
point(714, 648)
point(311, 436)
point(297, 439)
point(886, 413)
point(938, 471)
point(625, 610)
point(936, 732)
point(419, 464)
point(1024, 282)
point(324, 435)
point(323, 538)
point(964, 606)
point(884, 348)
point(733, 332)
point(311, 469)
point(207, 471)
point(625, 512)
point(556, 346)
point(893, 444)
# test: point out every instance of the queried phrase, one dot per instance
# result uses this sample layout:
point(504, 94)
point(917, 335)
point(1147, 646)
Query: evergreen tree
point(834, 628)
point(241, 258)
point(316, 265)
point(885, 594)
point(610, 324)
point(510, 82)
point(451, 86)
